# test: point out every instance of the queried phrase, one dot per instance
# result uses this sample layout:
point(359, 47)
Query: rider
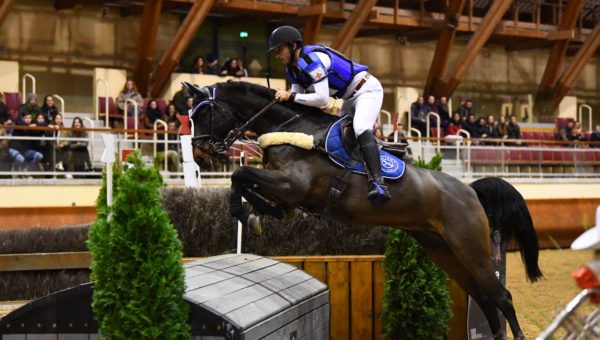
point(329, 72)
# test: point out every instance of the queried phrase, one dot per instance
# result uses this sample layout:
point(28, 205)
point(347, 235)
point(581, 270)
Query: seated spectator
point(41, 144)
point(231, 68)
point(452, 130)
point(470, 126)
point(513, 129)
point(3, 110)
point(189, 105)
point(442, 110)
point(30, 106)
point(60, 157)
point(180, 100)
point(480, 130)
point(21, 150)
point(596, 137)
point(577, 132)
point(198, 66)
point(79, 157)
point(565, 134)
point(129, 91)
point(212, 64)
point(151, 115)
point(466, 109)
point(378, 132)
point(243, 70)
point(418, 115)
point(432, 107)
point(49, 110)
point(501, 128)
point(490, 128)
point(171, 114)
point(4, 156)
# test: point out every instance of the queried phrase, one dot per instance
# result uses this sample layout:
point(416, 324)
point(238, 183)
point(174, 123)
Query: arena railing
point(469, 158)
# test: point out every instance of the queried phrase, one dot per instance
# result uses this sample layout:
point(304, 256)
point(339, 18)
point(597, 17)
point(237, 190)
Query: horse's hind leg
point(440, 252)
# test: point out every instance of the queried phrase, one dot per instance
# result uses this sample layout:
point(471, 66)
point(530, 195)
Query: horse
point(452, 221)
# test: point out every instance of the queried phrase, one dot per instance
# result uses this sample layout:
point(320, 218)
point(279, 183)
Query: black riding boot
point(370, 155)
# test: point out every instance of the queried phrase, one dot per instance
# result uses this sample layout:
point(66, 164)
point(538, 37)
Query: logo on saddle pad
point(391, 166)
point(388, 164)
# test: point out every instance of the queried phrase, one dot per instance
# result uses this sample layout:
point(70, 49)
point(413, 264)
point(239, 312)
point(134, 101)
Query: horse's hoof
point(254, 224)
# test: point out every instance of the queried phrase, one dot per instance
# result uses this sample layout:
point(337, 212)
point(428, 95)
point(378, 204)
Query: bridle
point(220, 147)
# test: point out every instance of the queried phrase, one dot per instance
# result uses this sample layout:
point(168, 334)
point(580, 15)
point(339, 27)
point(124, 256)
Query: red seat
point(596, 156)
point(547, 157)
point(478, 156)
point(112, 107)
point(144, 106)
point(548, 135)
point(535, 156)
point(12, 100)
point(528, 135)
point(492, 155)
point(162, 105)
point(568, 156)
point(558, 155)
point(538, 135)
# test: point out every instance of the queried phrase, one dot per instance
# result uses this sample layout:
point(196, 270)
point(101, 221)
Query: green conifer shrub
point(136, 261)
point(416, 301)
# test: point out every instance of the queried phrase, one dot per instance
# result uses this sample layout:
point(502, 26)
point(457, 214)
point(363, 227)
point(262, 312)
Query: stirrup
point(378, 191)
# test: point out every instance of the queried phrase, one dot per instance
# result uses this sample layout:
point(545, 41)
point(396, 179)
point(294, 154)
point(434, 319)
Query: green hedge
point(416, 301)
point(136, 262)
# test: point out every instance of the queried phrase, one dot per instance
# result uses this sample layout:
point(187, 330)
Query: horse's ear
point(194, 89)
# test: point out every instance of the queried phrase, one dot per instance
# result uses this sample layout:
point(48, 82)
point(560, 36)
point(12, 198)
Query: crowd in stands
point(234, 67)
point(464, 119)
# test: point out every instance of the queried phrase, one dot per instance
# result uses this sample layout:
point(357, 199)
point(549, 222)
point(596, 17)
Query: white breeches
point(364, 107)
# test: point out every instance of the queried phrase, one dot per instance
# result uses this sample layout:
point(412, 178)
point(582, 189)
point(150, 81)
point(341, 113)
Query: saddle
point(351, 144)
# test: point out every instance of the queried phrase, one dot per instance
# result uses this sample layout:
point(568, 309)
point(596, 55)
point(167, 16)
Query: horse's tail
point(508, 213)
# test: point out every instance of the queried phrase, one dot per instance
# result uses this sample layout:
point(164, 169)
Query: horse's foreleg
point(276, 185)
point(239, 189)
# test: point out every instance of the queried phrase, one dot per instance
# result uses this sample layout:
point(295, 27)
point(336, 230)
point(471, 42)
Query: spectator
point(48, 109)
point(151, 115)
point(30, 106)
point(180, 100)
point(20, 150)
point(501, 127)
point(418, 115)
point(490, 128)
point(596, 137)
point(41, 144)
point(577, 132)
point(466, 108)
point(231, 68)
point(431, 105)
point(378, 132)
point(3, 111)
point(513, 129)
point(452, 130)
point(442, 110)
point(60, 158)
point(243, 72)
point(470, 126)
point(480, 130)
point(78, 149)
point(4, 156)
point(198, 66)
point(212, 66)
point(129, 92)
point(189, 104)
point(565, 134)
point(171, 114)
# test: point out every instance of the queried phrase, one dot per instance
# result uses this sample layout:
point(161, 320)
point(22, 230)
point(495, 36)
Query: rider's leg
point(370, 154)
point(367, 105)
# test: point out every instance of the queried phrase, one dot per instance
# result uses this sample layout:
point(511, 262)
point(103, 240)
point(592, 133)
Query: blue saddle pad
point(391, 166)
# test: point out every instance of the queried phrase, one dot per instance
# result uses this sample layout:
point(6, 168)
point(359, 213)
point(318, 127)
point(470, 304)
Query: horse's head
point(211, 122)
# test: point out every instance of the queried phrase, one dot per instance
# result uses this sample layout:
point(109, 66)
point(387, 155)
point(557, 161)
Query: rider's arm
point(320, 83)
point(317, 99)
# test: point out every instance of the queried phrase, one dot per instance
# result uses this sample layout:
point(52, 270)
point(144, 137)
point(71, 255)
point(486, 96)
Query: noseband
point(220, 147)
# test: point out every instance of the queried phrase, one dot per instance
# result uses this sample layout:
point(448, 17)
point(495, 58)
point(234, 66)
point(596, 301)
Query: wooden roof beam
point(182, 39)
point(359, 16)
point(312, 27)
point(477, 41)
point(557, 56)
point(5, 8)
point(442, 50)
point(570, 75)
point(146, 43)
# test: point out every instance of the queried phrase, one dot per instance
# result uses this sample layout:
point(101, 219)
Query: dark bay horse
point(451, 220)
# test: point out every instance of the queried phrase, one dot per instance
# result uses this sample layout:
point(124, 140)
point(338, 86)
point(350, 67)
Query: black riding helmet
point(284, 35)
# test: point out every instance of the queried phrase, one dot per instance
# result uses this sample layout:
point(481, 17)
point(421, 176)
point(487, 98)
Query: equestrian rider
point(329, 73)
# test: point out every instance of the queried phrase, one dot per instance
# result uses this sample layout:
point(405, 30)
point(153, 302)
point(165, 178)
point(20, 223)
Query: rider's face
point(283, 54)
